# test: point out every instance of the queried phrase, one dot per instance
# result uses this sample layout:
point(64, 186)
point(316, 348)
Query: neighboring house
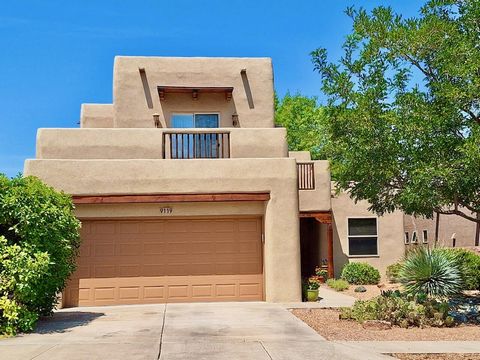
point(187, 192)
point(453, 231)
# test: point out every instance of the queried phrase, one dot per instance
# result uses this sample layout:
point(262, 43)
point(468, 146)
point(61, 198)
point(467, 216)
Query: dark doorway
point(309, 245)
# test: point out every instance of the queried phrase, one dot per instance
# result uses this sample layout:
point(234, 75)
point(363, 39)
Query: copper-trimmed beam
point(324, 217)
point(169, 198)
point(195, 91)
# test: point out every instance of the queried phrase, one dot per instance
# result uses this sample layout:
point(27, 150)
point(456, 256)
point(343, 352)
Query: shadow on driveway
point(64, 321)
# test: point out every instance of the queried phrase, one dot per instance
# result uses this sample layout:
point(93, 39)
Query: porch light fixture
point(235, 120)
point(156, 120)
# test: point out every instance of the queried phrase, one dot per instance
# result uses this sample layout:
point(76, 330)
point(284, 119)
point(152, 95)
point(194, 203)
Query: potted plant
point(312, 288)
point(322, 274)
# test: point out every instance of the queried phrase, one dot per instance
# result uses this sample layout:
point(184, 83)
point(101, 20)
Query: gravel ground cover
point(328, 325)
point(372, 290)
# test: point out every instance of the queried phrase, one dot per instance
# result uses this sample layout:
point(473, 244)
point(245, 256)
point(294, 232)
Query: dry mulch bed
point(327, 324)
point(372, 290)
point(436, 356)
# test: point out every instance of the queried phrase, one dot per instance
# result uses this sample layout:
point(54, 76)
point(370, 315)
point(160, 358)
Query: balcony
point(196, 144)
point(152, 143)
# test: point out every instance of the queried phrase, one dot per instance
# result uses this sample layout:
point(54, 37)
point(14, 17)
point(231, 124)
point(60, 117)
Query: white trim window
point(414, 238)
point(406, 238)
point(362, 236)
point(425, 236)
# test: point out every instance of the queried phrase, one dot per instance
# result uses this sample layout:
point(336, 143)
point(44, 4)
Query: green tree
point(304, 121)
point(39, 240)
point(404, 109)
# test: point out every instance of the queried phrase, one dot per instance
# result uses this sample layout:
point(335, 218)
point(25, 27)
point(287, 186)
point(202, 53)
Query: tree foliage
point(39, 241)
point(304, 121)
point(404, 109)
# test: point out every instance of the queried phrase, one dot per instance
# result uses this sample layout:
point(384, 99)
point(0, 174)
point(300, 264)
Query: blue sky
point(56, 55)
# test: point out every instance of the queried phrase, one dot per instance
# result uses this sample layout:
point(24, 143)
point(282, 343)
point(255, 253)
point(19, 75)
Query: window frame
point(406, 238)
point(414, 239)
point(366, 236)
point(424, 236)
point(193, 113)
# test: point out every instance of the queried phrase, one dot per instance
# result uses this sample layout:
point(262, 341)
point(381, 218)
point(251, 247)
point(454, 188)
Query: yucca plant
point(431, 272)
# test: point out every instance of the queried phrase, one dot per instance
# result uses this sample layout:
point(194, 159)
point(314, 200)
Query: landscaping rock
point(377, 325)
point(465, 309)
point(360, 289)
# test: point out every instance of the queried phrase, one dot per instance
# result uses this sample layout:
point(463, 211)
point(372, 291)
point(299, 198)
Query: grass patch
point(338, 284)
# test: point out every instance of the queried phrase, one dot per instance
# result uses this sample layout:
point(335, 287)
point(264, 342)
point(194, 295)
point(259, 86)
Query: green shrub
point(469, 263)
point(22, 270)
point(433, 272)
point(337, 284)
point(400, 310)
point(39, 241)
point(15, 317)
point(358, 273)
point(392, 272)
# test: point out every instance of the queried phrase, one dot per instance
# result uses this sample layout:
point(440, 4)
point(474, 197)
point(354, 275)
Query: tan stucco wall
point(450, 225)
point(277, 176)
point(318, 199)
point(300, 155)
point(84, 211)
point(96, 116)
point(390, 234)
point(130, 105)
point(147, 143)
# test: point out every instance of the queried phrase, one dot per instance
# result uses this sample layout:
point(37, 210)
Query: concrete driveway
point(176, 331)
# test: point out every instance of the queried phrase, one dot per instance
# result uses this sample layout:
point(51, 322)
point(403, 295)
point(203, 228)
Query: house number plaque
point(166, 210)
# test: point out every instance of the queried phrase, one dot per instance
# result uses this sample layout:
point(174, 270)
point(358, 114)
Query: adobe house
point(187, 192)
point(453, 231)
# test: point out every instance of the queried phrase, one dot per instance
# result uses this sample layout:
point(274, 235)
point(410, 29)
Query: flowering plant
point(321, 272)
point(313, 283)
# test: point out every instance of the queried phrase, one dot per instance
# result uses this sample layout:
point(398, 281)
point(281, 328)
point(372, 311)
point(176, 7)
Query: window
point(203, 145)
point(406, 239)
point(425, 236)
point(194, 121)
point(362, 236)
point(414, 238)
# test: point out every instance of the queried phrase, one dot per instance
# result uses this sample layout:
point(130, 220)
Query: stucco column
point(282, 245)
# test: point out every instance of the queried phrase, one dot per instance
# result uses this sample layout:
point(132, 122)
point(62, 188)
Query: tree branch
point(469, 207)
point(459, 213)
point(428, 74)
point(472, 115)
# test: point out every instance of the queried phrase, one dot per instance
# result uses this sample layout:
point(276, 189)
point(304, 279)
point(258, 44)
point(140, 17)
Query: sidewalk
point(432, 347)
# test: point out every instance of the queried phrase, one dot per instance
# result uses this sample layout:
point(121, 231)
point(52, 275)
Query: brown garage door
point(174, 260)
